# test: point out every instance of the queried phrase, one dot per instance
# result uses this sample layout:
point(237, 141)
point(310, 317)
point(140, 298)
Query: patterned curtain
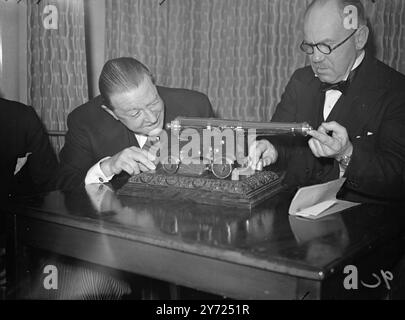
point(57, 75)
point(239, 52)
point(387, 20)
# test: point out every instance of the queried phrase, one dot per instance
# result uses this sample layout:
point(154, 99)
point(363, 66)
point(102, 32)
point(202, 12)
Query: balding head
point(342, 28)
point(340, 5)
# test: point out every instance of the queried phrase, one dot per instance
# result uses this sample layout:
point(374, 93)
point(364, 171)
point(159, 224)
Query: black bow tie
point(341, 86)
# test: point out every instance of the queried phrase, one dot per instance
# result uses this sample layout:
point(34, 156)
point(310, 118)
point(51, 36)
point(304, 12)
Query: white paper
point(319, 200)
point(317, 208)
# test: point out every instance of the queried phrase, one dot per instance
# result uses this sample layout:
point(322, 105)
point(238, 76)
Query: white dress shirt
point(332, 96)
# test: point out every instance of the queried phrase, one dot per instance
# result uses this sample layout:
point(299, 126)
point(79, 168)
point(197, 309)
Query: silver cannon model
point(221, 143)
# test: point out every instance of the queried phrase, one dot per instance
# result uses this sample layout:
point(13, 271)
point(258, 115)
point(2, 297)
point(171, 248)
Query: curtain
point(57, 75)
point(241, 53)
point(387, 20)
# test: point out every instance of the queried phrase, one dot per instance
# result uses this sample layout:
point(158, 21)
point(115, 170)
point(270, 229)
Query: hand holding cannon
point(221, 144)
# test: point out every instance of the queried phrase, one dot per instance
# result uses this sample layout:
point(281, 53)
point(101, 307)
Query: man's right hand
point(262, 154)
point(132, 160)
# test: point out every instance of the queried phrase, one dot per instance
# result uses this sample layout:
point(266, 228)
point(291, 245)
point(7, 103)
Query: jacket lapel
point(354, 109)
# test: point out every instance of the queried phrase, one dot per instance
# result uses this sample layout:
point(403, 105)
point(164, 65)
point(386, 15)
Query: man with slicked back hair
point(106, 134)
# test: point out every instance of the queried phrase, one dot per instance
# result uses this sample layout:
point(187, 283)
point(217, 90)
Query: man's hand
point(335, 145)
point(261, 154)
point(132, 160)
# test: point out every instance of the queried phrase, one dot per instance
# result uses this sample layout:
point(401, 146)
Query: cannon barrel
point(262, 128)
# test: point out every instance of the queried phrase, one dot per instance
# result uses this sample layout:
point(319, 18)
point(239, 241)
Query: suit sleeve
point(42, 162)
point(75, 157)
point(286, 112)
point(377, 164)
point(294, 154)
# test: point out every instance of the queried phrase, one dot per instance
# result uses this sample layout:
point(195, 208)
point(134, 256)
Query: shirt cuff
point(96, 175)
point(341, 171)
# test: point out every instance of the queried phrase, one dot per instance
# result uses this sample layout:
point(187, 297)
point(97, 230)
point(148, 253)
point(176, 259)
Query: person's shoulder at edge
point(388, 76)
point(12, 108)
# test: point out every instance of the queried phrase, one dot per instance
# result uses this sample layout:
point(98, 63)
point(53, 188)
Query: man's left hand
point(334, 145)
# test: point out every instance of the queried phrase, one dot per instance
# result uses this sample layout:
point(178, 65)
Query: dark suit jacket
point(372, 111)
point(21, 131)
point(94, 134)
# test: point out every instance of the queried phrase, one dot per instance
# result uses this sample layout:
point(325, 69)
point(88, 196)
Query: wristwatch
point(344, 161)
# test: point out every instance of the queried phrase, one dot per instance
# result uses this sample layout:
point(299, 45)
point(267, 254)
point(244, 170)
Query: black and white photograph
point(202, 154)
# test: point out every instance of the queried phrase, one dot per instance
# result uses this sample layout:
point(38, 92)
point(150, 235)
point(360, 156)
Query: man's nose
point(151, 116)
point(317, 56)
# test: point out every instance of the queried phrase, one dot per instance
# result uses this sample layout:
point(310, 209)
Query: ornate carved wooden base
point(205, 189)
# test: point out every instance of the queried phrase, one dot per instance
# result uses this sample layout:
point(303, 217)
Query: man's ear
point(361, 37)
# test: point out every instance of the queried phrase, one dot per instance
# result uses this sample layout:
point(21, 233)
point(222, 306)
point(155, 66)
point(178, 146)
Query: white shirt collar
point(141, 139)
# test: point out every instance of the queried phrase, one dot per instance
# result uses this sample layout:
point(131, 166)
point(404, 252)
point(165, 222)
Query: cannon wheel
point(222, 169)
point(171, 165)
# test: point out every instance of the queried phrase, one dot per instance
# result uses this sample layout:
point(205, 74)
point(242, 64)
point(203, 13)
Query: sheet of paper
point(317, 208)
point(319, 200)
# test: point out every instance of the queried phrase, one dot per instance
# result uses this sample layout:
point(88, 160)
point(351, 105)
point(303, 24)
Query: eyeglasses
point(308, 48)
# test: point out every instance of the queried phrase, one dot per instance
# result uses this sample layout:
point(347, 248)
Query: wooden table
point(259, 254)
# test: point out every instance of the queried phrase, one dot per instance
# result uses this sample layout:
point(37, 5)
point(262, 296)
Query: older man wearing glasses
point(356, 102)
